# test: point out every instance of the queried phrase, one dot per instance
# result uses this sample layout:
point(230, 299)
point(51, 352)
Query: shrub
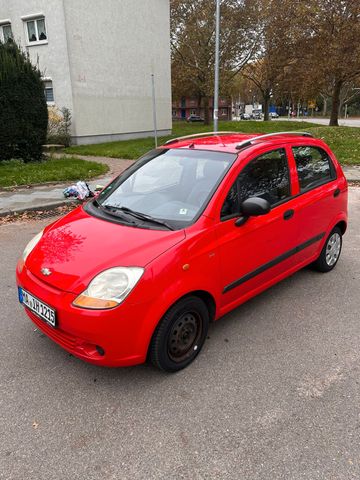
point(59, 126)
point(23, 109)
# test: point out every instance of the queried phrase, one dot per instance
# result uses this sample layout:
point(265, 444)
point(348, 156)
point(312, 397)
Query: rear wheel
point(180, 335)
point(330, 253)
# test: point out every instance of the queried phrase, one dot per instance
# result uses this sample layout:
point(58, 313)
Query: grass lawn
point(345, 141)
point(16, 172)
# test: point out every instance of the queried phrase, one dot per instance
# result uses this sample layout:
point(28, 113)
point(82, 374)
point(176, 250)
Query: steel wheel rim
point(333, 247)
point(184, 336)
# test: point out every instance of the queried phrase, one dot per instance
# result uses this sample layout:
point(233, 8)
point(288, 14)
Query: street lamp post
point(217, 49)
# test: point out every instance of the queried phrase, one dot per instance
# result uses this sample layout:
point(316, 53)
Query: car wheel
point(180, 335)
point(330, 253)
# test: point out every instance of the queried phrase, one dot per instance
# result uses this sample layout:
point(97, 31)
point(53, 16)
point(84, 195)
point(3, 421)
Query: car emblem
point(46, 272)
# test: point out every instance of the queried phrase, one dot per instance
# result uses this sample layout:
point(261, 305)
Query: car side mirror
point(252, 207)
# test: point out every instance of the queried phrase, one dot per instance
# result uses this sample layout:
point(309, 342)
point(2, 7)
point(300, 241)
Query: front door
point(253, 254)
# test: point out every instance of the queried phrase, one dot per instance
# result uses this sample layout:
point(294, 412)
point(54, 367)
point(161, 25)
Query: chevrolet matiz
point(186, 234)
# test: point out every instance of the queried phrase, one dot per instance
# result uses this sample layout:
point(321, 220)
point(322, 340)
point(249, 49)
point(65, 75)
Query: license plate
point(38, 307)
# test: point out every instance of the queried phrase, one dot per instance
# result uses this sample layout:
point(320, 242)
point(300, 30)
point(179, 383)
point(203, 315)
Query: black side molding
point(273, 262)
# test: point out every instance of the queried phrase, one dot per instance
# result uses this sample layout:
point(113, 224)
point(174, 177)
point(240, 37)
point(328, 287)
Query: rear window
point(314, 167)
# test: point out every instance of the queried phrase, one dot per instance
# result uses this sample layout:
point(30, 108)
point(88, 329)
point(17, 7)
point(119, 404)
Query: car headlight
point(109, 288)
point(31, 245)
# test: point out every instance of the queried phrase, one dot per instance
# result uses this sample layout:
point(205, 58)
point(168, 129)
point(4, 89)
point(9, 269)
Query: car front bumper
point(114, 337)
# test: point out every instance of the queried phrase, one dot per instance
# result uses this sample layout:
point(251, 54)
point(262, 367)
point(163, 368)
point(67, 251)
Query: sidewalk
point(47, 197)
point(349, 122)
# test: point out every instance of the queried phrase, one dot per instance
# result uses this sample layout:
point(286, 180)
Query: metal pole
point(154, 109)
point(216, 86)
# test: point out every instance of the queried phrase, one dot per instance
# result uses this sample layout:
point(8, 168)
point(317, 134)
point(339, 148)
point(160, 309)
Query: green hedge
point(23, 109)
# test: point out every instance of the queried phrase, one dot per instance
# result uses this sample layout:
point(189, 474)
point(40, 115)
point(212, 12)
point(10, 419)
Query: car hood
point(78, 247)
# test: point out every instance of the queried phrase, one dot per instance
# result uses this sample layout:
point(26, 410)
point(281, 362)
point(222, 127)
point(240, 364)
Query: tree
point(281, 30)
point(193, 45)
point(349, 93)
point(309, 49)
point(263, 74)
point(331, 52)
point(23, 109)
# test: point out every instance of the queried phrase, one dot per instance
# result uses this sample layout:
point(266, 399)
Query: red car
point(187, 233)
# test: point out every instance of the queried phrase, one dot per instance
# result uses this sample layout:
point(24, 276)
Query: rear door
point(319, 195)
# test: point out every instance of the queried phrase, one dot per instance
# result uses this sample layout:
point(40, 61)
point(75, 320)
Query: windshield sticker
point(183, 211)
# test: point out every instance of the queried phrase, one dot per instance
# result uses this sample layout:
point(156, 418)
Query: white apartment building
point(97, 58)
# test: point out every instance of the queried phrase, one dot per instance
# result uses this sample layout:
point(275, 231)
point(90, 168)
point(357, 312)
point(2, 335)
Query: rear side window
point(314, 167)
point(267, 176)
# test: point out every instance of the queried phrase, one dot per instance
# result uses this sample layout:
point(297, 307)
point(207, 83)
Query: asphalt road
point(275, 394)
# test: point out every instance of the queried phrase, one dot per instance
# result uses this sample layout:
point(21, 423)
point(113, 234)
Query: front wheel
point(330, 253)
point(180, 335)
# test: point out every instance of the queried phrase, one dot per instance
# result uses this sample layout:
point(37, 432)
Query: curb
point(49, 206)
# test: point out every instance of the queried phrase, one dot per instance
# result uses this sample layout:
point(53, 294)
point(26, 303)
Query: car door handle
point(336, 192)
point(288, 214)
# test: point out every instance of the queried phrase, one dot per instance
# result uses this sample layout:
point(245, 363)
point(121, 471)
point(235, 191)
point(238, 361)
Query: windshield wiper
point(143, 216)
point(113, 211)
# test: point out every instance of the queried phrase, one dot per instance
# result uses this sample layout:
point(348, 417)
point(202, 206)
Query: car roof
point(232, 142)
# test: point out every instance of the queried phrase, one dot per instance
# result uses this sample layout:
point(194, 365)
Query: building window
point(174, 113)
point(6, 33)
point(49, 91)
point(36, 30)
point(224, 111)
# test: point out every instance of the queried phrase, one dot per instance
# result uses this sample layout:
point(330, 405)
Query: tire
point(330, 253)
point(180, 335)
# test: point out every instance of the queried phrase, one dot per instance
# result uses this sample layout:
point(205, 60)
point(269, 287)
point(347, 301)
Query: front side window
point(172, 185)
point(267, 176)
point(36, 30)
point(313, 165)
point(7, 34)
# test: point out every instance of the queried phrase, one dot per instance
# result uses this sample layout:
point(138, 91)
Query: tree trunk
point(341, 106)
point(206, 111)
point(266, 98)
point(325, 106)
point(335, 104)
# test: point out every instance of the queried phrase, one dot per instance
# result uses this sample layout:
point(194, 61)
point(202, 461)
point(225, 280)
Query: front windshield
point(170, 185)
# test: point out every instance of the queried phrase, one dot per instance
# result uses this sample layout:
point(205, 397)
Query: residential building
point(185, 106)
point(97, 59)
